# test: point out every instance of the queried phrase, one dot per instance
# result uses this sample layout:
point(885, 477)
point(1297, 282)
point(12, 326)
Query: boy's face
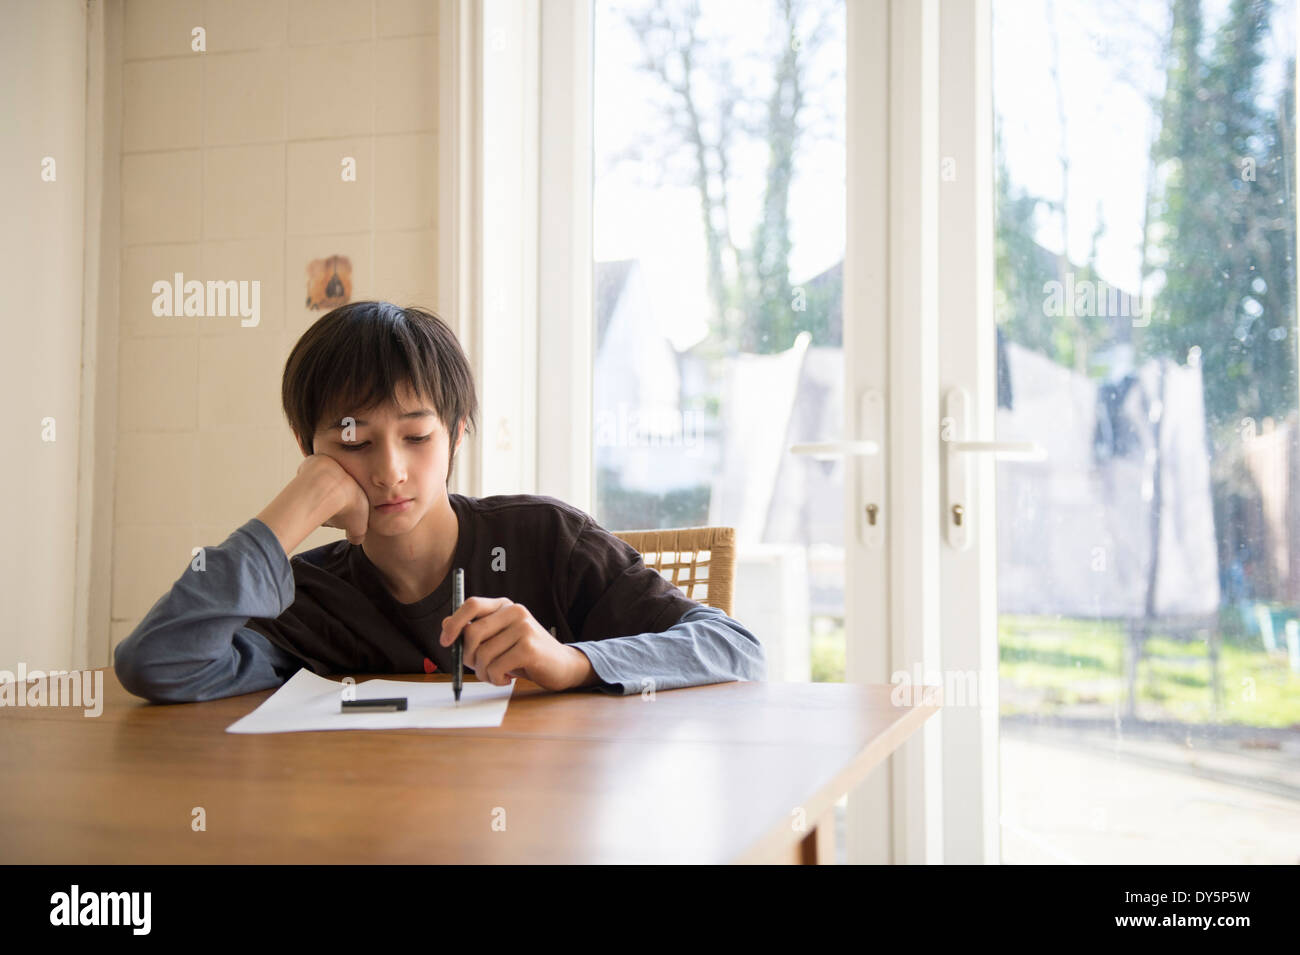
point(393, 458)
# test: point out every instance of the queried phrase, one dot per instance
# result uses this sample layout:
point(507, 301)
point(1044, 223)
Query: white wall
point(42, 98)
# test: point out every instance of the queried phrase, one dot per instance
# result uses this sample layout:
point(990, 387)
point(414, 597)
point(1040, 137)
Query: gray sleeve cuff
point(704, 646)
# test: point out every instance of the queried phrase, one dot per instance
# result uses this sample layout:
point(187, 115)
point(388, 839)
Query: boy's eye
point(359, 446)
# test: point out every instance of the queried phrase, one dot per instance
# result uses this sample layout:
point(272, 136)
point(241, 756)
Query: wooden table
point(732, 772)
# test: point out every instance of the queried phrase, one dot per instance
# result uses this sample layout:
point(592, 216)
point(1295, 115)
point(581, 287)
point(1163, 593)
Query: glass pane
point(718, 243)
point(1149, 569)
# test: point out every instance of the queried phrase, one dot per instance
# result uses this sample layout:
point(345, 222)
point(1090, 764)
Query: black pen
point(458, 647)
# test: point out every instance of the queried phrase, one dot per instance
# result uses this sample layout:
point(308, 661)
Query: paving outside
point(1084, 793)
point(1080, 794)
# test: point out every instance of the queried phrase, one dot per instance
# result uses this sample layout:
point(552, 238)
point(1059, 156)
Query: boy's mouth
point(399, 504)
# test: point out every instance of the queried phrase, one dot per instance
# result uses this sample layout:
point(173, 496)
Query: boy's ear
point(460, 434)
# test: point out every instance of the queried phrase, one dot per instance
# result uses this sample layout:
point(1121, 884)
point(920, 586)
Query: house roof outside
point(610, 280)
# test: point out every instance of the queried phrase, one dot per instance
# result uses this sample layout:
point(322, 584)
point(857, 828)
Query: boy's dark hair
point(356, 357)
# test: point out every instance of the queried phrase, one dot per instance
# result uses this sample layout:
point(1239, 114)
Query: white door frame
point(870, 817)
point(460, 222)
point(488, 264)
point(565, 309)
point(968, 360)
point(893, 67)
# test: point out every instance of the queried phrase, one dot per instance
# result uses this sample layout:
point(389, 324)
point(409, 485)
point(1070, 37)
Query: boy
point(379, 398)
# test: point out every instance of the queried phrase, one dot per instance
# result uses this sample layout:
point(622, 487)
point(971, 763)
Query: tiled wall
point(231, 171)
point(43, 175)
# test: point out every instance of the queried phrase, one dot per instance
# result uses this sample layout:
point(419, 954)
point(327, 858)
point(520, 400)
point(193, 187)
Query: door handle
point(826, 450)
point(1007, 450)
point(870, 426)
point(955, 426)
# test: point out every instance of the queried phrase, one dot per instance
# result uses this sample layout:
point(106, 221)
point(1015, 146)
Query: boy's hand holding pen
point(499, 640)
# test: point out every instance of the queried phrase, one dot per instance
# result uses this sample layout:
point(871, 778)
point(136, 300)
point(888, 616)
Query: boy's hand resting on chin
point(353, 513)
point(502, 640)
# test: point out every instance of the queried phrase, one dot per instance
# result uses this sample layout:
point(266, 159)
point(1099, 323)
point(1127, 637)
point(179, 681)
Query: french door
point(772, 331)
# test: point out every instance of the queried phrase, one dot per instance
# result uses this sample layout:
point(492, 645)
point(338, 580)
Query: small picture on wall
point(329, 282)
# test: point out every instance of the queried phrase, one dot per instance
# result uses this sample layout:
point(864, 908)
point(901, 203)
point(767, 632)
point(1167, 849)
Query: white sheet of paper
point(307, 701)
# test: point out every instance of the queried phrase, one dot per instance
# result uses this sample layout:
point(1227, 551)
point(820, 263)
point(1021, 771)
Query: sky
point(1108, 67)
point(661, 224)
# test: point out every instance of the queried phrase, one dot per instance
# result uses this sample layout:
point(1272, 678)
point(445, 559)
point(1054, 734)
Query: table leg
point(818, 847)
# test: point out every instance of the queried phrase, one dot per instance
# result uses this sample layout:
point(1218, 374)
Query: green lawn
point(1066, 662)
point(1051, 666)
